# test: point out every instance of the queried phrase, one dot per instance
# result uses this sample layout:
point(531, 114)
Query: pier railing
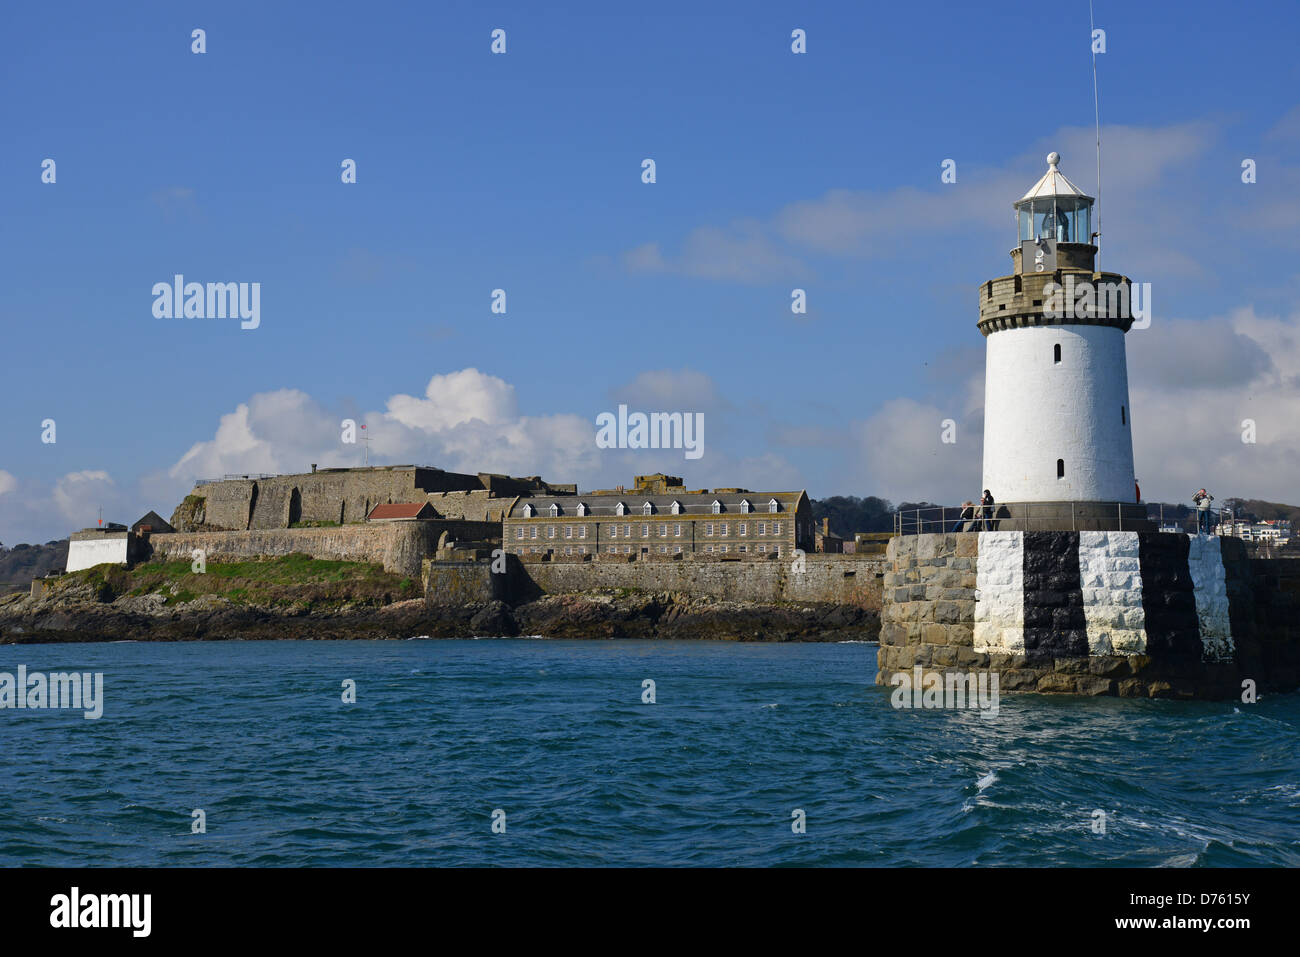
point(1039, 516)
point(229, 476)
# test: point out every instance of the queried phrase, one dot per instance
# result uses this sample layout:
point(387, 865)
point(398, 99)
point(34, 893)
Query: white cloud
point(901, 454)
point(458, 397)
point(80, 495)
point(33, 511)
point(670, 390)
point(1143, 197)
point(1191, 436)
point(742, 251)
point(465, 421)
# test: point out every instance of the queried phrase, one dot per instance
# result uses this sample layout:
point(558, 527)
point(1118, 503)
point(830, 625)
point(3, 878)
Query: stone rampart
point(820, 578)
point(400, 547)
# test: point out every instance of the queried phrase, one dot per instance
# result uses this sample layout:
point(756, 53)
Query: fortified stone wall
point(399, 546)
point(341, 496)
point(463, 583)
point(480, 506)
point(832, 579)
point(225, 505)
point(1127, 613)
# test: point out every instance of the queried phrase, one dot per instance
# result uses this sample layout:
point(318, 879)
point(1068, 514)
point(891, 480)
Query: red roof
point(403, 510)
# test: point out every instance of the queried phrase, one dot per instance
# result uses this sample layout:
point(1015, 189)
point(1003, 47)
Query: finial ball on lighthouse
point(1053, 159)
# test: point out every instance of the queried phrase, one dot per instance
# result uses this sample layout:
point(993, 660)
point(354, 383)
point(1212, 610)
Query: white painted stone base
point(1111, 575)
point(1205, 560)
point(1000, 593)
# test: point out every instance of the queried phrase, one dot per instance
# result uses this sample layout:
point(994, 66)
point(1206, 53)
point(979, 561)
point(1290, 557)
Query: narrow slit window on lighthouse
point(1056, 353)
point(1060, 468)
point(1123, 416)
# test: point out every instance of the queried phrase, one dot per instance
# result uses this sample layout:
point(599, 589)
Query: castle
point(402, 515)
point(342, 496)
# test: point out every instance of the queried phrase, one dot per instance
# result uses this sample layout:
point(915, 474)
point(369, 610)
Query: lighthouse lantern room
point(1058, 447)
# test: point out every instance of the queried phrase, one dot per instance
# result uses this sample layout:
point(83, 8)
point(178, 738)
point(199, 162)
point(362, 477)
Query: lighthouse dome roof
point(1053, 183)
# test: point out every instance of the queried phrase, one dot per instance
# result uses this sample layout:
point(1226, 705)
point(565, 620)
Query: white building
point(98, 546)
point(1057, 421)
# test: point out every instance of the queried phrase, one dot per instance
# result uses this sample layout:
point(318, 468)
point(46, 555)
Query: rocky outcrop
point(190, 515)
point(675, 615)
point(88, 611)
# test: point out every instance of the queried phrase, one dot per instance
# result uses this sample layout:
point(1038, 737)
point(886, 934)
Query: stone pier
point(1136, 614)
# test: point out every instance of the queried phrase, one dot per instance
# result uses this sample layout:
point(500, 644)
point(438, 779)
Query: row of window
point(757, 549)
point(742, 528)
point(550, 531)
point(648, 508)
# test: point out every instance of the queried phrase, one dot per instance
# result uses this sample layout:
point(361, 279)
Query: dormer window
point(773, 505)
point(744, 505)
point(717, 507)
point(620, 509)
point(528, 510)
point(677, 508)
point(648, 508)
point(582, 508)
point(555, 510)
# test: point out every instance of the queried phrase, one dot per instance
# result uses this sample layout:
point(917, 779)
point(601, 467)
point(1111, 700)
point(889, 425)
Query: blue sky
point(522, 171)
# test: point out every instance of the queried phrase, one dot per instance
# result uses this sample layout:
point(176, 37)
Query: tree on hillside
point(849, 514)
point(1257, 510)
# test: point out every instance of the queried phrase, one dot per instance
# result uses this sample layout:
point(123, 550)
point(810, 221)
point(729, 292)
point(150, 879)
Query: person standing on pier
point(986, 500)
point(1203, 499)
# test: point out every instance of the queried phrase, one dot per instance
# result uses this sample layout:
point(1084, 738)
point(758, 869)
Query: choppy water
point(554, 733)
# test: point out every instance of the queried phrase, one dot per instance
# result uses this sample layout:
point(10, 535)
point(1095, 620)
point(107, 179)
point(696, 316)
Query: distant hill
point(20, 564)
point(1258, 510)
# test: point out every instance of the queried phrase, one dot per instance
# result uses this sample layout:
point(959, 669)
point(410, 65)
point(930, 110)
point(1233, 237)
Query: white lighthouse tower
point(1058, 446)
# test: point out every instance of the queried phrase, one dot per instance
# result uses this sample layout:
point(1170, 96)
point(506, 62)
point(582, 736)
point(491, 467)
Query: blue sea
point(552, 741)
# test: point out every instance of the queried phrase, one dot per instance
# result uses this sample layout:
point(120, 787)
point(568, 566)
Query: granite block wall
point(822, 578)
point(1125, 613)
point(400, 547)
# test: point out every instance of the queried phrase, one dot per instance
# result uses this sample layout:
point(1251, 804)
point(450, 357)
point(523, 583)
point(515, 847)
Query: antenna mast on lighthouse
point(1096, 108)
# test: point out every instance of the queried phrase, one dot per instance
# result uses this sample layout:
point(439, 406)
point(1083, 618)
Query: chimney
point(826, 527)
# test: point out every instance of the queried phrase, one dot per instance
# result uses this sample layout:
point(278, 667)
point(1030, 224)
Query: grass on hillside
point(295, 579)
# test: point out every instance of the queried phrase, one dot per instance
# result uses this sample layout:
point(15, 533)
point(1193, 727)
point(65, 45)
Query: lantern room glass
point(1067, 219)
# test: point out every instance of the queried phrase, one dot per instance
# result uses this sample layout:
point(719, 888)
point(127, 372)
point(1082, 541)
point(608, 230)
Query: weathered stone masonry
point(825, 579)
point(1127, 613)
point(399, 546)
